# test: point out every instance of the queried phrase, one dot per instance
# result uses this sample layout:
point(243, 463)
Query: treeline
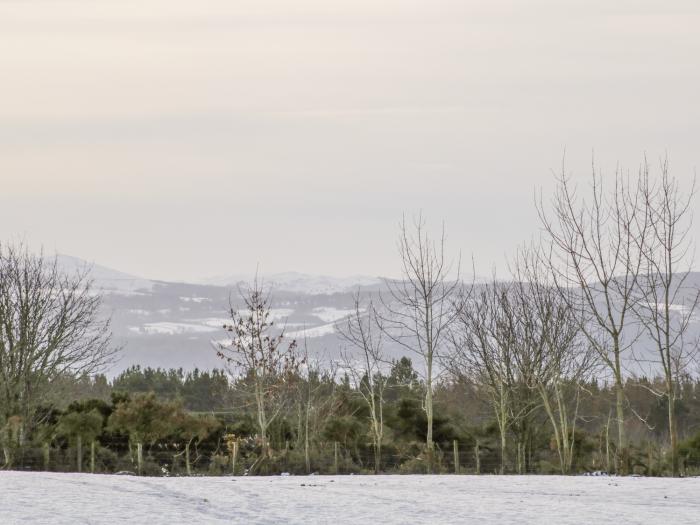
point(171, 422)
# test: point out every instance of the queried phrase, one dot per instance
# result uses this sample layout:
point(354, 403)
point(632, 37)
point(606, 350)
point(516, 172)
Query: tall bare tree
point(667, 302)
point(51, 326)
point(362, 330)
point(419, 307)
point(597, 251)
point(260, 356)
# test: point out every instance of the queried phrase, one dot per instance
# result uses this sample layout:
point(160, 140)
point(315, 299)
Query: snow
point(275, 314)
point(214, 322)
point(197, 300)
point(329, 314)
point(316, 331)
point(102, 499)
point(139, 311)
point(168, 328)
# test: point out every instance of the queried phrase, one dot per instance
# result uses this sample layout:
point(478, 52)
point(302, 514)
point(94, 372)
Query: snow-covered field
point(84, 498)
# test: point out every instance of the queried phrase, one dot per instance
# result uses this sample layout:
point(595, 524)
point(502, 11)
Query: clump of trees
point(327, 426)
point(51, 328)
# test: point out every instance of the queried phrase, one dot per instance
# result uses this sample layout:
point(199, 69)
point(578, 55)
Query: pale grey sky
point(178, 139)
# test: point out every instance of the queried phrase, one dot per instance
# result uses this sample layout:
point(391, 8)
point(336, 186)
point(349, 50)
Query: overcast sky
point(178, 139)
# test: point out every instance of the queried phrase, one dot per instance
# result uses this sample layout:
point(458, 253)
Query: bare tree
point(667, 303)
point(317, 400)
point(483, 352)
point(363, 331)
point(549, 344)
point(259, 355)
point(419, 307)
point(51, 326)
point(597, 251)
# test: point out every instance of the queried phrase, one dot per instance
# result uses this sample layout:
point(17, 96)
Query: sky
point(181, 139)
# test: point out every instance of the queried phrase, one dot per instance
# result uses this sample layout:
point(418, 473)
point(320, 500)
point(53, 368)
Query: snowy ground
point(83, 498)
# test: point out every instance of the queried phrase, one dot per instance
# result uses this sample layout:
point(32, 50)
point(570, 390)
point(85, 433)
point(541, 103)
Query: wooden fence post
point(188, 467)
point(335, 457)
point(234, 454)
point(80, 453)
point(139, 457)
point(47, 456)
point(92, 457)
point(477, 458)
point(455, 447)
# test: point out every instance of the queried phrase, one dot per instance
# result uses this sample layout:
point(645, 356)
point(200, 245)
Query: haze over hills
point(104, 278)
point(300, 282)
point(167, 324)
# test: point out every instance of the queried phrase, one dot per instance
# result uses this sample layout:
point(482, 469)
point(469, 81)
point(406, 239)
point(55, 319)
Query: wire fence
point(163, 459)
point(178, 459)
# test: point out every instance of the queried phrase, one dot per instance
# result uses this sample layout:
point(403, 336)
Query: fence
point(163, 459)
point(245, 458)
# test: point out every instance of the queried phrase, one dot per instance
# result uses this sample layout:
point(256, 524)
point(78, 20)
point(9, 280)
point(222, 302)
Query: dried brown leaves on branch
point(259, 354)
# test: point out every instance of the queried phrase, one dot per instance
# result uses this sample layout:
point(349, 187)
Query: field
point(93, 499)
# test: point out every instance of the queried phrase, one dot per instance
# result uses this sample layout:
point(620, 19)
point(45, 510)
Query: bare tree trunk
point(672, 428)
point(607, 444)
point(307, 458)
point(378, 458)
point(622, 454)
point(503, 448)
point(430, 445)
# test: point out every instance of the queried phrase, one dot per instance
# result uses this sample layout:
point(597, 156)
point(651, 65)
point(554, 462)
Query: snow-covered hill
point(165, 324)
point(105, 279)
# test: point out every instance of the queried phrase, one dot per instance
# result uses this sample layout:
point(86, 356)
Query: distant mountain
point(301, 282)
point(105, 279)
point(165, 324)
